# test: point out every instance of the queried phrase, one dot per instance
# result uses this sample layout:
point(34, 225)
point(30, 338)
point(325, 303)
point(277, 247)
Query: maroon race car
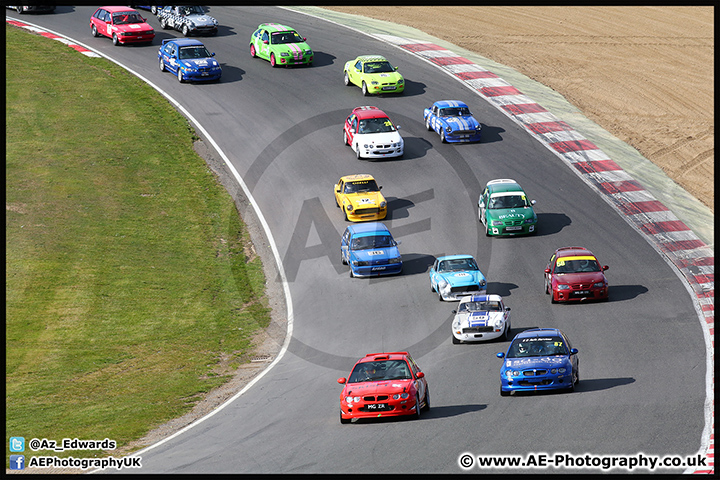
point(122, 24)
point(574, 274)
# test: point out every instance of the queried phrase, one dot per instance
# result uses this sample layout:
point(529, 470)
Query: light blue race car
point(452, 120)
point(370, 250)
point(454, 276)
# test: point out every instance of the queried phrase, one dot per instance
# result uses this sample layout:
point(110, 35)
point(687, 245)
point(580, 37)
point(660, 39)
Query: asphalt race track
point(642, 354)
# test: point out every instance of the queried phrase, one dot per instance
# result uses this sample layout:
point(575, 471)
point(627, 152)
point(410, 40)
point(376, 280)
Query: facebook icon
point(17, 462)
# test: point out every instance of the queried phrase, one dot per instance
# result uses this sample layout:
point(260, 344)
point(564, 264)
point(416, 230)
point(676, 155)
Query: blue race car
point(539, 359)
point(454, 276)
point(188, 59)
point(370, 250)
point(453, 121)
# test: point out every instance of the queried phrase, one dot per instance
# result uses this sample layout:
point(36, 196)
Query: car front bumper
point(478, 336)
point(462, 138)
point(388, 408)
point(450, 296)
point(537, 383)
point(363, 217)
point(509, 230)
point(376, 270)
point(574, 295)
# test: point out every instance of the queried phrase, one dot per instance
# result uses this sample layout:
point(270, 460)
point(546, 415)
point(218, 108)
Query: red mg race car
point(122, 24)
point(384, 385)
point(574, 274)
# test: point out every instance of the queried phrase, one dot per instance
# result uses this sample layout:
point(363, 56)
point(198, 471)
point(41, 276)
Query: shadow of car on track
point(500, 288)
point(550, 223)
point(231, 73)
point(585, 385)
point(434, 412)
point(415, 263)
point(322, 59)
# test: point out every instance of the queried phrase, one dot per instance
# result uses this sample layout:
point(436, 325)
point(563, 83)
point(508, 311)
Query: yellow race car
point(359, 198)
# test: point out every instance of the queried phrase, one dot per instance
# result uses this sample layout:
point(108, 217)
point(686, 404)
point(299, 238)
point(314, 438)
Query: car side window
point(358, 66)
point(265, 36)
point(551, 262)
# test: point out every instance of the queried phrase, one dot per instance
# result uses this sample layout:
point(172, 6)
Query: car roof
point(371, 357)
point(539, 332)
point(573, 251)
point(503, 185)
point(183, 42)
point(357, 177)
point(372, 58)
point(119, 9)
point(275, 27)
point(450, 103)
point(481, 298)
point(374, 227)
point(368, 112)
point(455, 257)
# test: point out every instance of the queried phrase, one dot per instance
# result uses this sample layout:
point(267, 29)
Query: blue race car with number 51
point(370, 250)
point(188, 59)
point(452, 120)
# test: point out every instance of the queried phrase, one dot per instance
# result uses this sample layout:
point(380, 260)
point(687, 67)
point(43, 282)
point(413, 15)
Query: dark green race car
point(504, 209)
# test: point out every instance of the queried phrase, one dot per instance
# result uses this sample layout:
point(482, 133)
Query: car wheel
point(115, 40)
point(344, 421)
point(357, 152)
point(547, 288)
point(345, 139)
point(352, 275)
point(427, 399)
point(161, 64)
point(455, 341)
point(417, 407)
point(442, 136)
point(440, 296)
point(253, 53)
point(346, 215)
point(365, 89)
point(503, 393)
point(185, 30)
point(272, 60)
point(506, 333)
point(342, 259)
point(179, 75)
point(347, 80)
point(163, 24)
point(94, 31)
point(552, 297)
point(427, 124)
point(153, 10)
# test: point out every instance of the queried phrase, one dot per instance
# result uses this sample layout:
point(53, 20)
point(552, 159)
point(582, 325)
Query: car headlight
point(442, 283)
point(562, 370)
point(563, 287)
point(383, 204)
point(512, 373)
point(529, 220)
point(360, 263)
point(352, 399)
point(398, 396)
point(448, 129)
point(401, 81)
point(496, 223)
point(395, 260)
point(374, 82)
point(482, 283)
point(308, 52)
point(349, 208)
point(599, 285)
point(284, 54)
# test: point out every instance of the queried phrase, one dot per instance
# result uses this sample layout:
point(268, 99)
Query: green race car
point(281, 45)
point(374, 74)
point(504, 209)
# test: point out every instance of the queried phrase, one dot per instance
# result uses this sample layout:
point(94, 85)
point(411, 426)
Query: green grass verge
point(126, 273)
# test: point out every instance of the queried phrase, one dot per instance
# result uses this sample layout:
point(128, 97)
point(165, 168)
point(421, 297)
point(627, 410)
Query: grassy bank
point(126, 273)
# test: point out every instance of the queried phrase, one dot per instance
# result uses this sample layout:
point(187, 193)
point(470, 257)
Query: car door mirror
point(397, 127)
point(454, 312)
point(500, 355)
point(605, 267)
point(396, 68)
point(507, 309)
point(342, 380)
point(573, 351)
point(532, 202)
point(212, 54)
point(420, 375)
point(547, 270)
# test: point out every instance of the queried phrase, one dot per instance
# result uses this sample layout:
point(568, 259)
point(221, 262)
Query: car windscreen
point(454, 111)
point(195, 51)
point(508, 201)
point(376, 125)
point(286, 37)
point(379, 371)
point(123, 18)
point(537, 347)
point(491, 306)
point(457, 265)
point(378, 67)
point(372, 241)
point(576, 265)
point(361, 186)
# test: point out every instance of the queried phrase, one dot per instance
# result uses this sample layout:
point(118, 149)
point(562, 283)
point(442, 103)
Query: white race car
point(479, 318)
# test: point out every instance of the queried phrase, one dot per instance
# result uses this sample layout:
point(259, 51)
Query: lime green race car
point(374, 74)
point(281, 45)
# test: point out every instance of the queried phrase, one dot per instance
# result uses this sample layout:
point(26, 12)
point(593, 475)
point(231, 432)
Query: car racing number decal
point(376, 252)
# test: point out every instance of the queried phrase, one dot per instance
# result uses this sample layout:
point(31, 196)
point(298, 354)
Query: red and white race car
point(384, 385)
point(122, 24)
point(371, 134)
